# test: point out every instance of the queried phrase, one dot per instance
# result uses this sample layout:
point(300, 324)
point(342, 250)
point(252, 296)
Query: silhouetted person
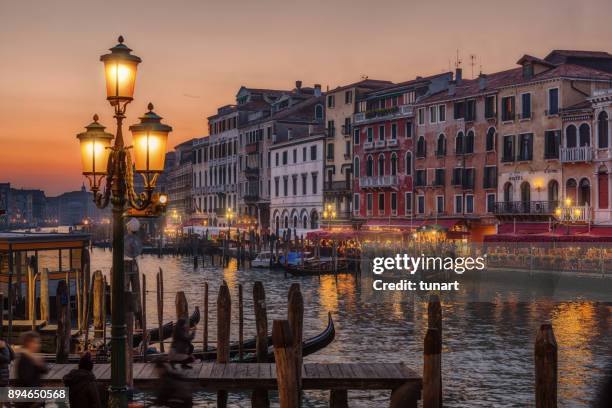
point(82, 386)
point(172, 389)
point(6, 356)
point(181, 348)
point(30, 366)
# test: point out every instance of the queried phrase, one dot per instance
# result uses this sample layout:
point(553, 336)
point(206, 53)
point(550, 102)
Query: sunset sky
point(197, 53)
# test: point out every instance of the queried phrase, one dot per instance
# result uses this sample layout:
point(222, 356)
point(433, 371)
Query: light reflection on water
point(487, 346)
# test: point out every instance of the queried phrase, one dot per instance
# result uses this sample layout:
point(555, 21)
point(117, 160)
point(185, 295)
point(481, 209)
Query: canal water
point(487, 346)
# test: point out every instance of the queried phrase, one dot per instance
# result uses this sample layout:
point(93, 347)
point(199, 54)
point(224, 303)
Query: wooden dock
point(242, 376)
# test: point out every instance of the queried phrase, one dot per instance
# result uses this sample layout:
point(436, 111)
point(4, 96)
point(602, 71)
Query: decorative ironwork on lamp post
point(329, 214)
point(568, 215)
point(108, 163)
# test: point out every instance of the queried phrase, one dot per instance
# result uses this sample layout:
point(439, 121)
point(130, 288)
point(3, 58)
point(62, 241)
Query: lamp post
point(567, 215)
point(229, 215)
point(113, 165)
point(329, 214)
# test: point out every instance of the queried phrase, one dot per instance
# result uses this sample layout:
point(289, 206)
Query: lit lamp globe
point(120, 71)
point(95, 148)
point(150, 137)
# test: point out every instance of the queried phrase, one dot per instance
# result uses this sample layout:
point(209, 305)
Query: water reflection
point(488, 346)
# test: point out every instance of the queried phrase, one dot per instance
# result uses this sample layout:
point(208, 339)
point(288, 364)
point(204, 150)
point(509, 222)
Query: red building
point(383, 152)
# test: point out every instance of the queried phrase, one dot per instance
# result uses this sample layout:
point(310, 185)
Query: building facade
point(601, 102)
point(179, 184)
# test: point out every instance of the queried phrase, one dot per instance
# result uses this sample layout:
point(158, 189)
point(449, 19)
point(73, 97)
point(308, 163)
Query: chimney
point(317, 90)
point(451, 88)
point(298, 86)
point(289, 136)
point(482, 82)
point(458, 76)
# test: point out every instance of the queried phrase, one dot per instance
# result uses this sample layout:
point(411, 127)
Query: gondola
point(167, 329)
point(314, 267)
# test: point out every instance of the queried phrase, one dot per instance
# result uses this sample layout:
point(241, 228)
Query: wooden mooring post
point(224, 316)
point(545, 354)
point(259, 398)
point(295, 312)
point(63, 323)
point(160, 307)
point(145, 333)
point(98, 304)
point(205, 321)
point(434, 321)
point(284, 357)
point(182, 309)
point(432, 369)
point(240, 324)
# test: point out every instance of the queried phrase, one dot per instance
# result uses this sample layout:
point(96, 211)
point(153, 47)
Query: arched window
point(441, 145)
point(381, 165)
point(570, 136)
point(286, 221)
point(459, 143)
point(421, 147)
point(602, 130)
point(602, 187)
point(490, 142)
point(314, 220)
point(408, 164)
point(508, 196)
point(585, 135)
point(469, 142)
point(525, 197)
point(356, 166)
point(295, 221)
point(584, 196)
point(394, 164)
point(319, 112)
point(553, 192)
point(571, 189)
point(304, 221)
point(370, 166)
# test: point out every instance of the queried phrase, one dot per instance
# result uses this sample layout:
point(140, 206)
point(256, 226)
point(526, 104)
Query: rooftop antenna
point(472, 63)
point(457, 60)
point(364, 77)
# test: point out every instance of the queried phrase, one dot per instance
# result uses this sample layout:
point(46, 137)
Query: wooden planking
point(215, 376)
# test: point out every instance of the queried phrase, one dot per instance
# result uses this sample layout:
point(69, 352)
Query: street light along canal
point(114, 165)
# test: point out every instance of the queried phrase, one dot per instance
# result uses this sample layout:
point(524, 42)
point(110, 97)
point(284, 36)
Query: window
point(303, 154)
point(346, 130)
point(552, 142)
point(370, 166)
point(408, 169)
point(433, 114)
point(459, 143)
point(285, 185)
point(330, 151)
point(408, 202)
point(356, 137)
point(276, 186)
point(421, 204)
point(458, 204)
point(441, 146)
point(381, 203)
point(318, 116)
point(284, 158)
point(457, 176)
point(381, 165)
point(490, 202)
point(276, 158)
point(490, 106)
point(304, 184)
point(294, 156)
point(331, 101)
point(394, 164)
point(508, 149)
point(294, 184)
point(469, 203)
point(356, 202)
point(553, 101)
point(602, 130)
point(441, 113)
point(526, 106)
point(469, 142)
point(313, 152)
point(408, 129)
point(490, 177)
point(331, 128)
point(458, 110)
point(468, 178)
point(585, 135)
point(470, 110)
point(347, 148)
point(421, 178)
point(348, 97)
point(369, 203)
point(507, 108)
point(525, 147)
point(490, 141)
point(370, 133)
point(381, 132)
point(571, 139)
point(314, 183)
point(440, 204)
point(439, 177)
point(393, 203)
point(421, 147)
point(356, 166)
point(394, 131)
point(421, 116)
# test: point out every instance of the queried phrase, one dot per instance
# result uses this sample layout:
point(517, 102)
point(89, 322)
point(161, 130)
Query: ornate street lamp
point(567, 215)
point(329, 214)
point(113, 164)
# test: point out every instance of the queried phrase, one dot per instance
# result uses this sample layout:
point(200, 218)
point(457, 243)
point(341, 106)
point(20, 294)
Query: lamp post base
point(117, 397)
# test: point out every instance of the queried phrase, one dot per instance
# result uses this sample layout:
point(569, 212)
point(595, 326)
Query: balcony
point(339, 186)
point(378, 182)
point(346, 130)
point(581, 154)
point(251, 148)
point(525, 208)
point(251, 172)
point(384, 113)
point(380, 144)
point(392, 143)
point(368, 145)
point(251, 198)
point(578, 214)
